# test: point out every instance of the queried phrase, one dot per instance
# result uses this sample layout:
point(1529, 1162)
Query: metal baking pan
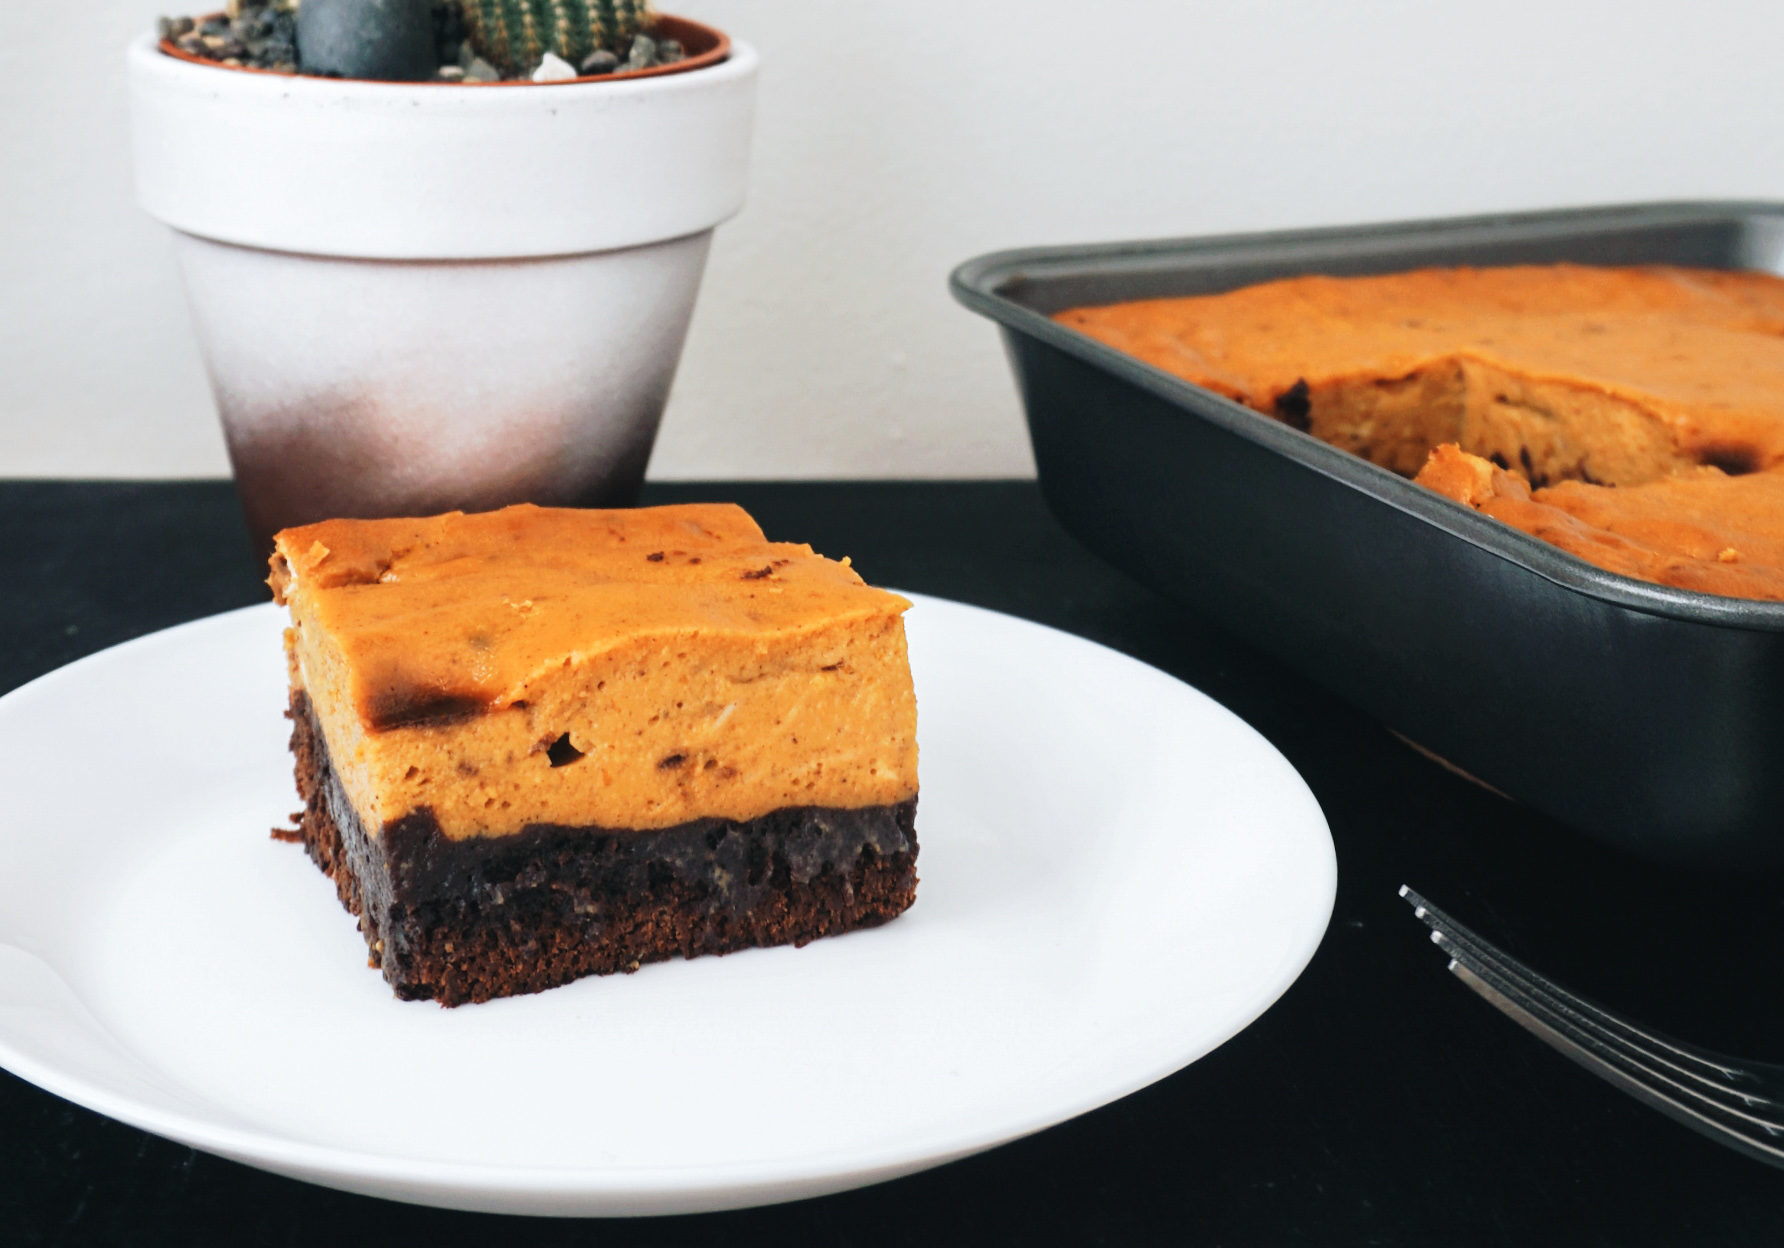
point(1650, 717)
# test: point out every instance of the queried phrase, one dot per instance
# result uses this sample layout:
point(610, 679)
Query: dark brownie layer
point(468, 920)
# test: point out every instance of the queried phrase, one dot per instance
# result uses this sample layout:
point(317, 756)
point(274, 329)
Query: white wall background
point(896, 139)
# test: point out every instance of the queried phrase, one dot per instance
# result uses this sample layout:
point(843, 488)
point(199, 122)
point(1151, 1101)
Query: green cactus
point(513, 34)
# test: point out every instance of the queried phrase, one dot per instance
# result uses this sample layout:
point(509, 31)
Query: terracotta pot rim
point(676, 27)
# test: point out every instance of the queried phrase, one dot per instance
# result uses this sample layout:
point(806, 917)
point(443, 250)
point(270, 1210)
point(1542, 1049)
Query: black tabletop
point(1378, 1102)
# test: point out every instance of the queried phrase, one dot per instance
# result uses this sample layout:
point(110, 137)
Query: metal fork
point(1735, 1102)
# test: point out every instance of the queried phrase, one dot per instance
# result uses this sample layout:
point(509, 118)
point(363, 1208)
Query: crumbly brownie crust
point(468, 920)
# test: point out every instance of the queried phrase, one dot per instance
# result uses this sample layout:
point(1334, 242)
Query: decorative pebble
point(386, 42)
point(252, 24)
point(383, 40)
point(554, 68)
point(258, 34)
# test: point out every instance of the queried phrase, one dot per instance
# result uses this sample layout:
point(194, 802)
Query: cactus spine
point(513, 34)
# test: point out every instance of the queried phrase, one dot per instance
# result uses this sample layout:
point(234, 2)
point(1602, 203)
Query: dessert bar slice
point(536, 744)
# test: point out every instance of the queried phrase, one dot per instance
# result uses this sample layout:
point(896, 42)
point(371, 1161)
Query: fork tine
point(1719, 1076)
point(1761, 1111)
point(1688, 1059)
point(1607, 1044)
point(1721, 1082)
point(1704, 1117)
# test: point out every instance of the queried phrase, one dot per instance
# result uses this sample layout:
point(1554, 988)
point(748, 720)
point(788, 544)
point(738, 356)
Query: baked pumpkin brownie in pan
point(1633, 417)
point(536, 744)
point(1647, 714)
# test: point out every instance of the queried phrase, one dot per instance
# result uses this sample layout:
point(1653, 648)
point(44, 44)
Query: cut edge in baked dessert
point(1662, 490)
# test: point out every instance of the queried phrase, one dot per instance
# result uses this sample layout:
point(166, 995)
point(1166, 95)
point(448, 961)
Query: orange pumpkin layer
point(1634, 417)
point(627, 669)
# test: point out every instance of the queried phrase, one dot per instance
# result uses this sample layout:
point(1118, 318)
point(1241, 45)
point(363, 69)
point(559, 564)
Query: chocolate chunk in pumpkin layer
point(1295, 406)
point(405, 708)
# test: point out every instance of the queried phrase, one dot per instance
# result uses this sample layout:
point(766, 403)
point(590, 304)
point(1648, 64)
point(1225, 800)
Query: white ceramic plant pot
point(416, 297)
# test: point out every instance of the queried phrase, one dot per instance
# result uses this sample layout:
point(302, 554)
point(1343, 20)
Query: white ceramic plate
point(1117, 876)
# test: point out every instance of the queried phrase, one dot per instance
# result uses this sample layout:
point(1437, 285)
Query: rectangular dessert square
point(535, 744)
